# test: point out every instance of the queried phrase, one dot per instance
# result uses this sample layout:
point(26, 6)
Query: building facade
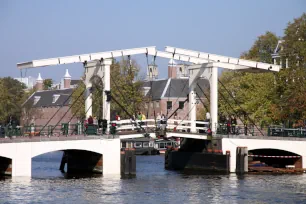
point(168, 96)
point(49, 107)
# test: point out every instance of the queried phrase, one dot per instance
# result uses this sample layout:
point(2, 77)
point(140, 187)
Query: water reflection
point(152, 184)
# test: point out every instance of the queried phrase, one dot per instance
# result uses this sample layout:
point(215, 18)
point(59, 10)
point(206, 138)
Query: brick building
point(40, 107)
point(168, 94)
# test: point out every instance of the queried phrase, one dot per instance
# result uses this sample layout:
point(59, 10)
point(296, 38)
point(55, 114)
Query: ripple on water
point(152, 184)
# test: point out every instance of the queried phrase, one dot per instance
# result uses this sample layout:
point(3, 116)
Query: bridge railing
point(223, 129)
point(280, 131)
point(171, 125)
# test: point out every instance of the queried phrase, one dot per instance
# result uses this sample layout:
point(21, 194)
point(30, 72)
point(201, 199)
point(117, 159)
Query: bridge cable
point(240, 107)
point(185, 116)
point(208, 99)
point(224, 100)
point(119, 89)
point(140, 126)
point(122, 107)
point(151, 90)
point(234, 110)
point(86, 110)
point(68, 109)
point(60, 108)
point(170, 86)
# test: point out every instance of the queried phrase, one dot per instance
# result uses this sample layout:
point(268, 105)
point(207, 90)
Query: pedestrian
point(233, 124)
point(228, 124)
point(90, 120)
point(95, 121)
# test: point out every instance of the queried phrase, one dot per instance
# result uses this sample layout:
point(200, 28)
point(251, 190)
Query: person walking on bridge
point(228, 124)
point(233, 124)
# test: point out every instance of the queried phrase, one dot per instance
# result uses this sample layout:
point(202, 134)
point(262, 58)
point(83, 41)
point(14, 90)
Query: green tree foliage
point(252, 92)
point(125, 88)
point(290, 86)
point(78, 101)
point(12, 96)
point(47, 84)
point(272, 97)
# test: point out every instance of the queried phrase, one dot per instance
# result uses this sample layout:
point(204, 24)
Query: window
point(137, 144)
point(123, 144)
point(36, 99)
point(181, 104)
point(145, 144)
point(151, 104)
point(156, 104)
point(169, 105)
point(146, 105)
point(55, 97)
point(161, 145)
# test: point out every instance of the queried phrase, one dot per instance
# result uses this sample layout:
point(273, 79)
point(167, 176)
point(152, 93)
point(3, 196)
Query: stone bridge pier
point(292, 146)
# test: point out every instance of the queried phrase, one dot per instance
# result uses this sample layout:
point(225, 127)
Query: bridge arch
point(41, 151)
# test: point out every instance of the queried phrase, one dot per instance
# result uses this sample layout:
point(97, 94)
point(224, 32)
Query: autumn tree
point(290, 86)
point(252, 92)
point(126, 88)
point(47, 84)
point(12, 96)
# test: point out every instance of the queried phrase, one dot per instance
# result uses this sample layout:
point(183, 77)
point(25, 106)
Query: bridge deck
point(260, 137)
point(134, 134)
point(60, 138)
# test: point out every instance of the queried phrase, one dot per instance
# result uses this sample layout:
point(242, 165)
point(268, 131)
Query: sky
point(36, 29)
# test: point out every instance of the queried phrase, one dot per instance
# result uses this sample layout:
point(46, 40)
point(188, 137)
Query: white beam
point(242, 64)
point(85, 57)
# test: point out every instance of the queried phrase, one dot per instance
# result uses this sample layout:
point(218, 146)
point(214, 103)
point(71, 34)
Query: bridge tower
point(100, 68)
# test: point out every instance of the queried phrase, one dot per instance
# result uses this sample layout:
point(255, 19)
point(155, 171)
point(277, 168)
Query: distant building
point(169, 94)
point(278, 58)
point(29, 81)
point(41, 106)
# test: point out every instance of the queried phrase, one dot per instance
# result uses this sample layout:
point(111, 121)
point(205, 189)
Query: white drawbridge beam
point(85, 57)
point(225, 62)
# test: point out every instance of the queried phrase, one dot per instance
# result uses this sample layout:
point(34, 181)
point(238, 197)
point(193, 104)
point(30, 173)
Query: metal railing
point(280, 131)
point(171, 125)
point(223, 129)
point(66, 129)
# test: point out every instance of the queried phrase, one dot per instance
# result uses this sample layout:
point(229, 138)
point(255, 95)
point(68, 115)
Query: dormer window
point(55, 97)
point(146, 90)
point(36, 99)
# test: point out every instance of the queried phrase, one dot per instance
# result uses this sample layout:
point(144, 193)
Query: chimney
point(172, 69)
point(67, 80)
point(39, 83)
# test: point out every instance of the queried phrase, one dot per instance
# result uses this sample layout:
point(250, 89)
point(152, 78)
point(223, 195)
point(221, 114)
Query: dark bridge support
point(128, 162)
point(5, 166)
point(198, 156)
point(78, 161)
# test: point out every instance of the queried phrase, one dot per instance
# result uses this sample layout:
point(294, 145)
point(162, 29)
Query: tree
point(126, 88)
point(291, 88)
point(252, 92)
point(11, 98)
point(47, 84)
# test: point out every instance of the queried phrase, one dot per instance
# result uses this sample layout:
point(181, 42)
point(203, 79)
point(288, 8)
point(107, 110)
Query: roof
point(158, 87)
point(173, 88)
point(46, 98)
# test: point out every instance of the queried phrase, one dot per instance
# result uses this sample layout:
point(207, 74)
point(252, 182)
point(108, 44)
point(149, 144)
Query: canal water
point(153, 184)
